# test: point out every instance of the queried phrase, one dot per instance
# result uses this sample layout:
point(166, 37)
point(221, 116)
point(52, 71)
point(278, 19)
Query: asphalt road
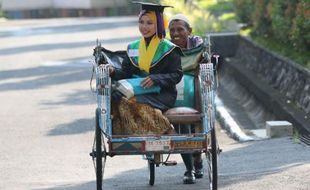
point(47, 119)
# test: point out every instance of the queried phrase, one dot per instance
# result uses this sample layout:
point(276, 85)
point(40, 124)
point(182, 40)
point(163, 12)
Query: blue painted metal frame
point(103, 90)
point(207, 87)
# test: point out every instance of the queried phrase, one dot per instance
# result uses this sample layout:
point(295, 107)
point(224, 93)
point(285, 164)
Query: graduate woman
point(158, 62)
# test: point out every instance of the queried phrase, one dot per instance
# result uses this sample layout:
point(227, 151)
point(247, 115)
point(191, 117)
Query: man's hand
point(111, 69)
point(147, 82)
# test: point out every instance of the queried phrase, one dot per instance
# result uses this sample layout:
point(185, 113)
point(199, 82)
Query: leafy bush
point(281, 14)
point(244, 9)
point(284, 21)
point(218, 7)
point(261, 19)
point(300, 31)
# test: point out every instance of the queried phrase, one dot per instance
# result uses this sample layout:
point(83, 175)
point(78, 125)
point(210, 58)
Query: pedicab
point(156, 149)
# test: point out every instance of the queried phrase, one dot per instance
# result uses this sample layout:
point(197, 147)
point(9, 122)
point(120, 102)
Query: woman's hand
point(147, 82)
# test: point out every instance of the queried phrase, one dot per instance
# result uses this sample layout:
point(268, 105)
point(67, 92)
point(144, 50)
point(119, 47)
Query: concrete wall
point(224, 44)
point(74, 4)
point(17, 9)
point(289, 78)
point(279, 84)
point(13, 5)
point(109, 3)
point(9, 5)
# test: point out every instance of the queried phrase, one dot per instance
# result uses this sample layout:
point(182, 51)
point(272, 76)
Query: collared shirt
point(194, 41)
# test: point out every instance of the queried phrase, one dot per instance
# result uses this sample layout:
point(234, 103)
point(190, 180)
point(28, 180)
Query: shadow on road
point(76, 127)
point(83, 186)
point(77, 97)
point(254, 161)
point(259, 159)
point(68, 28)
point(44, 76)
point(66, 45)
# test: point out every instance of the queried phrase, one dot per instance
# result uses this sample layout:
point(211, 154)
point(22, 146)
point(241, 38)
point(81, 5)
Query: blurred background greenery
point(282, 26)
point(206, 16)
point(1, 11)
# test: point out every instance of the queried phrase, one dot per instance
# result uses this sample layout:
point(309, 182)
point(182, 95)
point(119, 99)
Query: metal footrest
point(170, 163)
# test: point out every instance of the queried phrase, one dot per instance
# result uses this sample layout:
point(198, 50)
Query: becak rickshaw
point(197, 89)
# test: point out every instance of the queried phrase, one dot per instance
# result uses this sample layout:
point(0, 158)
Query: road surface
point(47, 119)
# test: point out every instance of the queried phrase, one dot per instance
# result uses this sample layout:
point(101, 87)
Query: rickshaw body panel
point(161, 144)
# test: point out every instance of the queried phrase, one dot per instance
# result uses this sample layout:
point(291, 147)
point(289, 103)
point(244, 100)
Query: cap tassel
point(161, 32)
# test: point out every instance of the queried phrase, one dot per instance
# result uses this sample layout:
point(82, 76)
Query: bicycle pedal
point(170, 163)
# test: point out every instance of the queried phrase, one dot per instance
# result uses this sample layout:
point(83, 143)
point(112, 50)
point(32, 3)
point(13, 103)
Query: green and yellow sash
point(146, 58)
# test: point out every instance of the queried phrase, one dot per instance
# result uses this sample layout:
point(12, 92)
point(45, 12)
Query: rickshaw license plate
point(188, 144)
point(157, 145)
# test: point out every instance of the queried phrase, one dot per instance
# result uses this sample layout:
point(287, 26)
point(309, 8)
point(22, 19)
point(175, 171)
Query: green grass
point(1, 13)
point(296, 136)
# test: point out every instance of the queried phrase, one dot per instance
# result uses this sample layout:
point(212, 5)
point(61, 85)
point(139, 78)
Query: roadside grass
point(1, 13)
point(296, 136)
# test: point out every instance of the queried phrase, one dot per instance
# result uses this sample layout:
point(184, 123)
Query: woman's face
point(147, 27)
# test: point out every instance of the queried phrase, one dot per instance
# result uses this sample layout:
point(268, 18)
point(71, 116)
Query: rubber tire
point(98, 134)
point(214, 160)
point(151, 166)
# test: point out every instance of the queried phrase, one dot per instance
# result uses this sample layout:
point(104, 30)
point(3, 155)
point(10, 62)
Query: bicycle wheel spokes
point(211, 155)
point(99, 152)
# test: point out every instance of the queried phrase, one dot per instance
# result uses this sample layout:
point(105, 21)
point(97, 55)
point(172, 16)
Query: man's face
point(179, 33)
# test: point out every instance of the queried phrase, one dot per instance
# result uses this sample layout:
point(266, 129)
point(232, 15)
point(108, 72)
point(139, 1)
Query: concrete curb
point(228, 123)
point(270, 98)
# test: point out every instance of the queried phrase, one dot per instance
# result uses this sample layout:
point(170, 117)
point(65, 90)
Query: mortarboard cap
point(160, 20)
point(151, 6)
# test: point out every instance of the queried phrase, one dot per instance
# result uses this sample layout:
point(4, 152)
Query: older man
point(181, 35)
point(181, 32)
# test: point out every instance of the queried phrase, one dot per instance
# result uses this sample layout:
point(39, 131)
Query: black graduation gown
point(166, 74)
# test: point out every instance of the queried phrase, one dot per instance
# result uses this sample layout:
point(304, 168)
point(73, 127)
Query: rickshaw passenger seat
point(183, 115)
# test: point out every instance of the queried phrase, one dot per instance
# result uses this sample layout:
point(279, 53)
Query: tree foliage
point(287, 21)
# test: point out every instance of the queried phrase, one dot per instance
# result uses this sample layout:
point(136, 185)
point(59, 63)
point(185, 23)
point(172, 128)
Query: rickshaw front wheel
point(151, 166)
point(100, 152)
